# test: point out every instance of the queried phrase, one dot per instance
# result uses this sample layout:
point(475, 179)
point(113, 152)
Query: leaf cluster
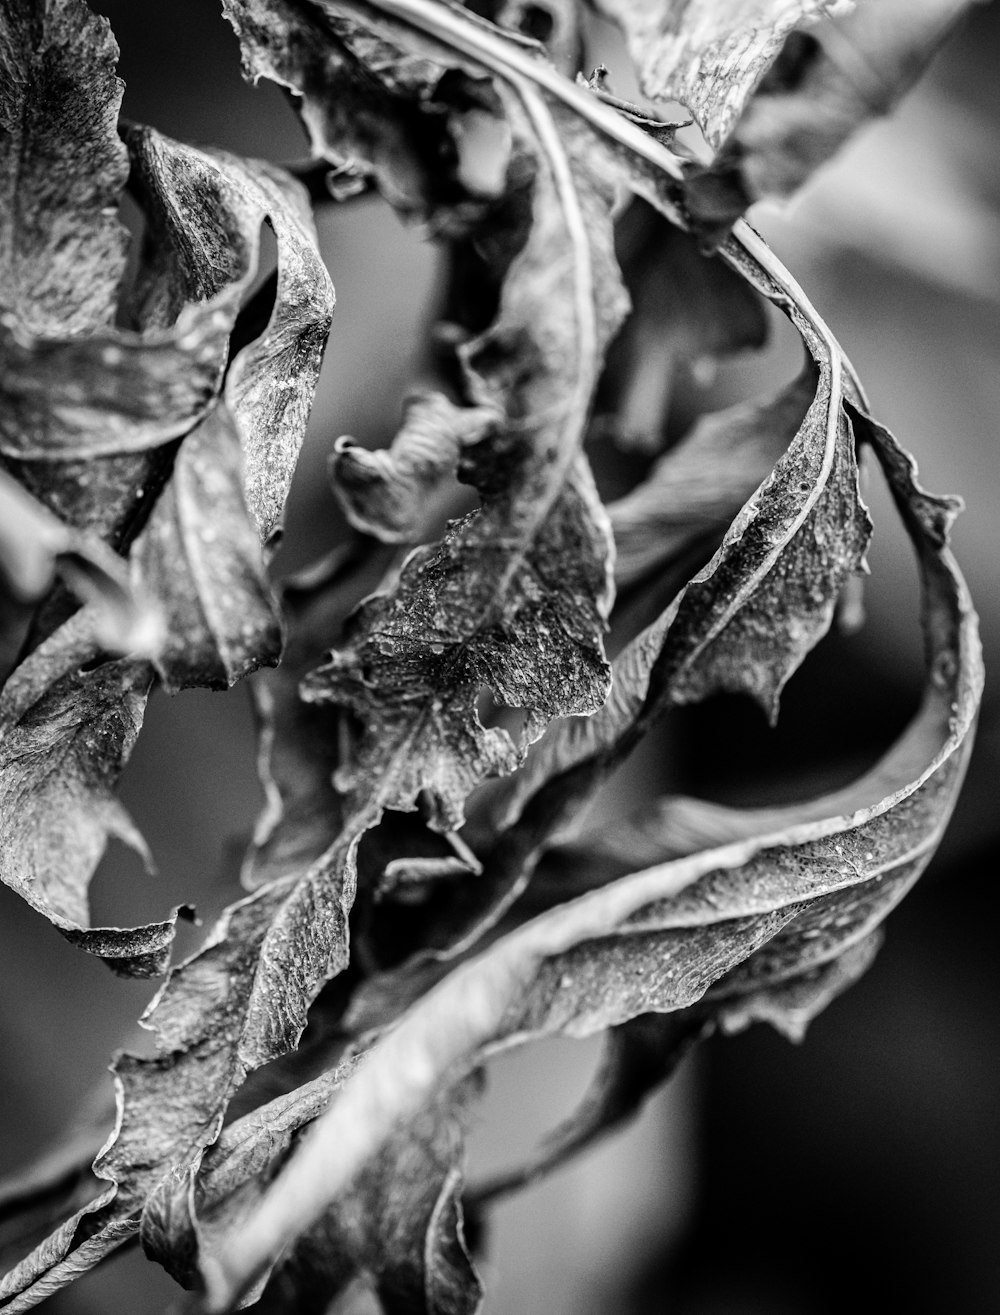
point(423, 889)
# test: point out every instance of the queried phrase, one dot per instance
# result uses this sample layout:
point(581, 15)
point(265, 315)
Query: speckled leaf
point(456, 624)
point(85, 418)
point(62, 167)
point(236, 1004)
point(66, 730)
point(197, 1203)
point(271, 380)
point(825, 85)
point(732, 920)
point(477, 612)
point(747, 620)
point(709, 54)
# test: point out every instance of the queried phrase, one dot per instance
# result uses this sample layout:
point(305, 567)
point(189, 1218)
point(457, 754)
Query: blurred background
point(862, 1168)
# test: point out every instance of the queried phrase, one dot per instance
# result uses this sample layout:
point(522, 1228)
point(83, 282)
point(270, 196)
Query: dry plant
point(424, 889)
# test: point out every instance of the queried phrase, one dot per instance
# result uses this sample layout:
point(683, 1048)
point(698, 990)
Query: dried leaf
point(301, 745)
point(271, 380)
point(88, 424)
point(822, 93)
point(790, 1006)
point(710, 54)
point(701, 484)
point(65, 733)
point(740, 917)
point(196, 1204)
point(62, 167)
point(746, 621)
point(476, 613)
point(385, 493)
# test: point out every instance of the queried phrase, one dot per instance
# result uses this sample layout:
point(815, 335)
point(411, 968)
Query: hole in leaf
point(491, 713)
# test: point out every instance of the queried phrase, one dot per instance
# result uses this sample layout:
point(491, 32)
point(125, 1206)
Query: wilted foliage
point(149, 432)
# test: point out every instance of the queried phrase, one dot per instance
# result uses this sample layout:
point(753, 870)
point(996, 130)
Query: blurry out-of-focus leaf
point(736, 919)
point(639, 1056)
point(709, 54)
point(385, 493)
point(822, 91)
point(777, 86)
point(35, 546)
point(62, 167)
point(689, 310)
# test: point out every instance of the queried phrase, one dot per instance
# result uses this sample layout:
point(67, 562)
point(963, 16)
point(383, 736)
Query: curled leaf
point(659, 939)
point(65, 732)
point(701, 484)
point(746, 621)
point(384, 493)
point(710, 55)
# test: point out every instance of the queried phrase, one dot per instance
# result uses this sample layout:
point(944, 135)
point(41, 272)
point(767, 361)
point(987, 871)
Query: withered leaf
point(750, 914)
point(65, 733)
point(62, 167)
point(385, 493)
point(709, 54)
point(229, 1009)
point(300, 745)
point(823, 90)
point(747, 620)
point(701, 484)
point(477, 612)
point(89, 423)
point(200, 1201)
